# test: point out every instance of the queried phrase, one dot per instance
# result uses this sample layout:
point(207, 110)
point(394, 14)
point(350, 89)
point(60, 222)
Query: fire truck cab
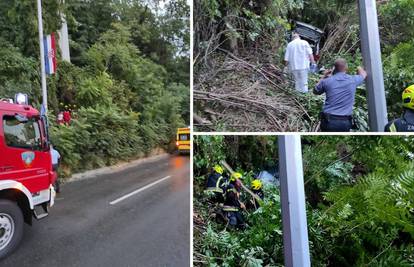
point(26, 174)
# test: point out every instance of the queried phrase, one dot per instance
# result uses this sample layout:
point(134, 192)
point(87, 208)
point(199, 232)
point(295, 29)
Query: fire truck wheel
point(11, 227)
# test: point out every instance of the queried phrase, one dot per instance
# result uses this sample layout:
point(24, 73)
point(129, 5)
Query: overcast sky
point(162, 3)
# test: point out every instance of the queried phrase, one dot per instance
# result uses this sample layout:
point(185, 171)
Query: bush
point(398, 75)
point(260, 244)
point(99, 136)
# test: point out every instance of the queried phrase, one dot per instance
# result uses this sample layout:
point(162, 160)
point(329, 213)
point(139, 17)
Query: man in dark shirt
point(340, 89)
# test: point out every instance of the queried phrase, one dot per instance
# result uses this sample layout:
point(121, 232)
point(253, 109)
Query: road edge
point(114, 168)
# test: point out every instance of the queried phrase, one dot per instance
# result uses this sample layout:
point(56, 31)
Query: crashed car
point(311, 34)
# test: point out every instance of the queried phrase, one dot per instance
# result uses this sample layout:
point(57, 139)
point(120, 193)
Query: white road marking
point(138, 190)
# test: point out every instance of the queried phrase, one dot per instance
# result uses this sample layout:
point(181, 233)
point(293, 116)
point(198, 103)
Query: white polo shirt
point(55, 156)
point(297, 54)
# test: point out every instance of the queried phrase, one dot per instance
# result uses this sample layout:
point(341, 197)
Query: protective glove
point(286, 70)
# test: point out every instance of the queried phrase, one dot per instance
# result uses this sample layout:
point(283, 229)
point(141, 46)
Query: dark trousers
point(336, 125)
point(56, 185)
point(217, 198)
point(236, 219)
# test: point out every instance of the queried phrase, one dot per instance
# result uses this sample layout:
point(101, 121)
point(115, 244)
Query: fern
point(372, 214)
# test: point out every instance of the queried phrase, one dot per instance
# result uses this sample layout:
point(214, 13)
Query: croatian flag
point(50, 53)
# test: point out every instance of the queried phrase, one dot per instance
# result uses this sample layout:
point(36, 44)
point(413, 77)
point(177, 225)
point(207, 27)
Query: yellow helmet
point(256, 184)
point(408, 97)
point(235, 176)
point(218, 169)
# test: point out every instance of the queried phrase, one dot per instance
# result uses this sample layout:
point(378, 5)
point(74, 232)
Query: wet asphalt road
point(149, 228)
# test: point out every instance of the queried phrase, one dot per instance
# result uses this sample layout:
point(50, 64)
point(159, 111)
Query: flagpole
point(42, 54)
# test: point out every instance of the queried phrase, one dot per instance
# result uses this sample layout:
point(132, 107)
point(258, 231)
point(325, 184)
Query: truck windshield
point(184, 137)
point(22, 134)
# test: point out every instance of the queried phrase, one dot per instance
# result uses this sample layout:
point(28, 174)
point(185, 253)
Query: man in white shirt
point(55, 157)
point(55, 164)
point(298, 56)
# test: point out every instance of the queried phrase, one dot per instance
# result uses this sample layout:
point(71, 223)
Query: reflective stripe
point(217, 188)
point(232, 190)
point(393, 128)
point(230, 208)
point(218, 181)
point(214, 189)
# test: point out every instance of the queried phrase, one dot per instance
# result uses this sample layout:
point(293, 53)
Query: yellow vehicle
point(183, 140)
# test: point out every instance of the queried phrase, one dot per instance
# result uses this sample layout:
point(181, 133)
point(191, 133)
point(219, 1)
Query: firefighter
point(339, 88)
point(232, 204)
point(406, 122)
point(216, 184)
point(298, 57)
point(233, 178)
point(67, 116)
point(256, 188)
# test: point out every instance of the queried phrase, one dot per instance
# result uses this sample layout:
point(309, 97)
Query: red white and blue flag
point(50, 53)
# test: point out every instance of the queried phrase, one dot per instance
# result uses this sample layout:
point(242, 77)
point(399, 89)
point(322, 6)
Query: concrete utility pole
point(64, 38)
point(42, 54)
point(292, 191)
point(371, 54)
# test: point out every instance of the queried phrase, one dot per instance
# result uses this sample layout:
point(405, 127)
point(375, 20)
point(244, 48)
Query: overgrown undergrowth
point(360, 208)
point(242, 93)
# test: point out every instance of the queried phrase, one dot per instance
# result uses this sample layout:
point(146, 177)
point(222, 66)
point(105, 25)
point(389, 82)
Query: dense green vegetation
point(128, 79)
point(359, 192)
point(256, 31)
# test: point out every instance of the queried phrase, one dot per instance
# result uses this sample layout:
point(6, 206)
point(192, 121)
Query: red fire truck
point(26, 175)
